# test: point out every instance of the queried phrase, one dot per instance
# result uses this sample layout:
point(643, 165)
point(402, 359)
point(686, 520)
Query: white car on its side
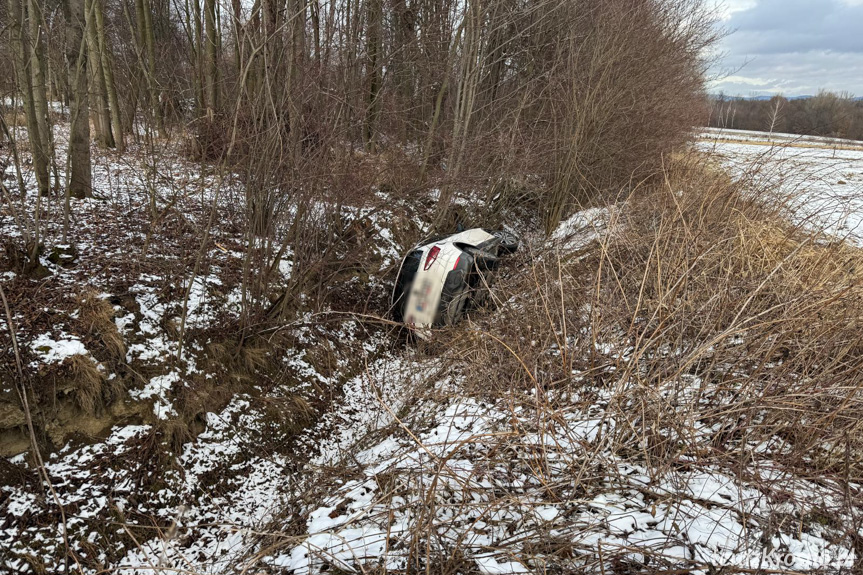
point(441, 278)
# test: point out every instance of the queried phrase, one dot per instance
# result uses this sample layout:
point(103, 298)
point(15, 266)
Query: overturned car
point(442, 278)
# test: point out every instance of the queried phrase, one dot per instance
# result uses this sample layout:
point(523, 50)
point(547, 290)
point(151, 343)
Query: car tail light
point(457, 260)
point(430, 259)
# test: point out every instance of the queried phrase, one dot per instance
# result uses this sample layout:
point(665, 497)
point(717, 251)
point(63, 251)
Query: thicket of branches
point(827, 114)
point(583, 96)
point(297, 109)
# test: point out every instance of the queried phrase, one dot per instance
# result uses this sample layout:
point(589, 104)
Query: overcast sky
point(792, 47)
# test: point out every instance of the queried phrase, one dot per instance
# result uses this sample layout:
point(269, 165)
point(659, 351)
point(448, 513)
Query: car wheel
point(509, 242)
point(455, 307)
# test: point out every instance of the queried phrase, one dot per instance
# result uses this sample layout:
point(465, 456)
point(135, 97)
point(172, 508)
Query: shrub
point(594, 97)
point(700, 305)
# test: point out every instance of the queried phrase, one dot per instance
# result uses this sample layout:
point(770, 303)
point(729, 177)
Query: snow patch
point(50, 350)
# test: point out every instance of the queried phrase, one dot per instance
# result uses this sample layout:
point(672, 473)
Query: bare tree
point(107, 66)
point(101, 111)
point(211, 69)
point(374, 23)
point(29, 62)
point(777, 103)
point(80, 175)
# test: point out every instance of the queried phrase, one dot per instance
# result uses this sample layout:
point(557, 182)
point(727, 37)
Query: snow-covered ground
point(118, 486)
point(821, 177)
point(523, 485)
point(402, 469)
point(495, 481)
point(723, 134)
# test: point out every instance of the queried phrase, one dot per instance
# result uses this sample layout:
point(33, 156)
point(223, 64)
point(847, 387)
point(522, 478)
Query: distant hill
point(757, 98)
point(766, 98)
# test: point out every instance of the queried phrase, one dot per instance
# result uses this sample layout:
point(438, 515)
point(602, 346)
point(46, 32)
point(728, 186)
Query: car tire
point(455, 307)
point(509, 242)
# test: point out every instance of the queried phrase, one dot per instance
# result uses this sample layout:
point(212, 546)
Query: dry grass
point(242, 360)
point(15, 119)
point(174, 433)
point(287, 416)
point(709, 281)
point(805, 145)
point(236, 365)
point(97, 317)
point(706, 290)
point(87, 383)
point(702, 324)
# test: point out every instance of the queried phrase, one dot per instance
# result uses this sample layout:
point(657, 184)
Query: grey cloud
point(796, 47)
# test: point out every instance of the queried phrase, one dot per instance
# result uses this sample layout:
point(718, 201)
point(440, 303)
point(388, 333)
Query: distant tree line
point(827, 114)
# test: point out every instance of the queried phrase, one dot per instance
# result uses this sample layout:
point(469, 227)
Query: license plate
point(422, 295)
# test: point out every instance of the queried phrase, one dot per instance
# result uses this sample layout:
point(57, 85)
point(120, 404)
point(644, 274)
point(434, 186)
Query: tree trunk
point(464, 101)
point(239, 33)
point(297, 77)
point(315, 13)
point(80, 177)
point(38, 64)
point(102, 118)
point(211, 70)
point(495, 54)
point(198, 49)
point(24, 63)
point(107, 61)
point(373, 47)
point(147, 43)
point(403, 62)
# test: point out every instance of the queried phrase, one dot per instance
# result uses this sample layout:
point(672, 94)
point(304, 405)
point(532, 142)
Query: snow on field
point(723, 134)
point(823, 177)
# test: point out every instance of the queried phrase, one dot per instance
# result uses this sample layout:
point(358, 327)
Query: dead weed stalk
point(702, 330)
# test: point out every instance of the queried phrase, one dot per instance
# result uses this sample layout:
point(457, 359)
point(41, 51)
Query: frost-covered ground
point(557, 485)
point(136, 248)
point(751, 136)
point(535, 482)
point(822, 176)
point(400, 467)
point(530, 483)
